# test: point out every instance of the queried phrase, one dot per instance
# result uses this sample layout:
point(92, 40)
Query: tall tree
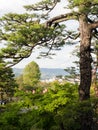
point(31, 75)
point(23, 32)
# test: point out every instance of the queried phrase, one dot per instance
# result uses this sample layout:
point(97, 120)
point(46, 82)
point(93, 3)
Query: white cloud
point(7, 6)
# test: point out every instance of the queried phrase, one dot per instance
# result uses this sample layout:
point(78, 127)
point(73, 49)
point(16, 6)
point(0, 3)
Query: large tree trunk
point(85, 73)
point(85, 59)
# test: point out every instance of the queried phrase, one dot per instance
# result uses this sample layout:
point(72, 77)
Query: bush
point(54, 110)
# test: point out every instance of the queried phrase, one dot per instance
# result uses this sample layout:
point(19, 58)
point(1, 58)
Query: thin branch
point(52, 8)
point(50, 48)
point(74, 38)
point(14, 63)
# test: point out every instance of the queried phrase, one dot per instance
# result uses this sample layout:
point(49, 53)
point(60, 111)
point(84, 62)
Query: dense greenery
point(57, 109)
point(46, 111)
point(7, 82)
point(31, 75)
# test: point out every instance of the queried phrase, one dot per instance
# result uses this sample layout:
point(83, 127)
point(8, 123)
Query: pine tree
point(7, 82)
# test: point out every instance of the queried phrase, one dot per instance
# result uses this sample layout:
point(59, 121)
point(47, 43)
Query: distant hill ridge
point(46, 73)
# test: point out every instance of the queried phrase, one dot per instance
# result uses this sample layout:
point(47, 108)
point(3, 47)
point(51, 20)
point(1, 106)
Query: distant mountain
point(46, 73)
point(17, 71)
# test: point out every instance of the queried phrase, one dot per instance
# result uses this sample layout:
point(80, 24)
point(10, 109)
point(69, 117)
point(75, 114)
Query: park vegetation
point(45, 106)
point(57, 106)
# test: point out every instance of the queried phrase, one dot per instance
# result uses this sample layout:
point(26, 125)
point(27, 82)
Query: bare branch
point(60, 18)
point(72, 36)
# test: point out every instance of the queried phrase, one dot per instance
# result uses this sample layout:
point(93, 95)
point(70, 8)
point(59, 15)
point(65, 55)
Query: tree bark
point(85, 73)
point(85, 59)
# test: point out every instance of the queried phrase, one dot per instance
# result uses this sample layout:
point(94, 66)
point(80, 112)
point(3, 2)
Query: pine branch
point(60, 18)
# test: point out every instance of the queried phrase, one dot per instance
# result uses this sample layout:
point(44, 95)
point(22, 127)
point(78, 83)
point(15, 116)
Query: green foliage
point(57, 108)
point(85, 6)
point(23, 32)
point(19, 81)
point(52, 107)
point(7, 81)
point(83, 2)
point(40, 110)
point(9, 119)
point(42, 5)
point(60, 95)
point(31, 75)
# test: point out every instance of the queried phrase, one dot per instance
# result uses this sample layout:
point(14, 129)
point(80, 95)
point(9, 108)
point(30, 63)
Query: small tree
point(31, 74)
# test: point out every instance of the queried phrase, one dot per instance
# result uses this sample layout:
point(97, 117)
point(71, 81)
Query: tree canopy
point(31, 75)
point(23, 32)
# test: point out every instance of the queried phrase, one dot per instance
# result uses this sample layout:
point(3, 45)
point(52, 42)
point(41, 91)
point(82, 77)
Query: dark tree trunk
point(61, 126)
point(85, 72)
point(85, 59)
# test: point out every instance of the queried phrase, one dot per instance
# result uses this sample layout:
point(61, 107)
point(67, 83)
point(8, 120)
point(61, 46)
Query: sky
point(63, 58)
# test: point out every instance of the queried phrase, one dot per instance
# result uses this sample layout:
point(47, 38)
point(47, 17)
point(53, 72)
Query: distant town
point(50, 75)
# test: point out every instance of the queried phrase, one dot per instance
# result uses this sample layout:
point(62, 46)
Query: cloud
point(15, 6)
point(7, 6)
